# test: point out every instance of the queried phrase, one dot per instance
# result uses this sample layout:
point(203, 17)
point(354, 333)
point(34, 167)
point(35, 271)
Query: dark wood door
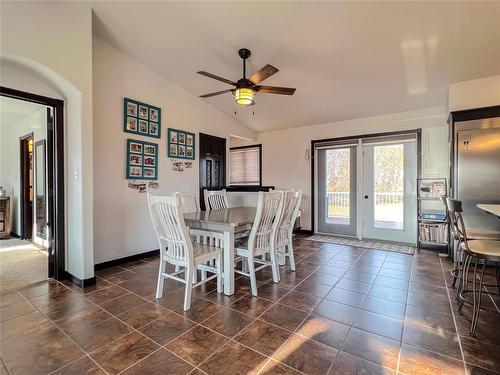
point(26, 173)
point(212, 164)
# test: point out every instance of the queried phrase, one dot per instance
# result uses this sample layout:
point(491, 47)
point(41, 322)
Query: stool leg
point(475, 316)
point(474, 302)
point(456, 270)
point(463, 284)
point(461, 273)
point(497, 269)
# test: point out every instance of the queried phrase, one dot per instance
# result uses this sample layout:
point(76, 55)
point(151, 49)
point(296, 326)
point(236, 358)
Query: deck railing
point(338, 202)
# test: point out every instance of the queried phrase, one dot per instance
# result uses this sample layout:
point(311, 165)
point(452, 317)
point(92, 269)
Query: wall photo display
point(180, 144)
point(142, 160)
point(141, 118)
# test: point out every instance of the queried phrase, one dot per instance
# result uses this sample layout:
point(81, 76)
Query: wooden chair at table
point(283, 240)
point(177, 248)
point(259, 243)
point(215, 199)
point(189, 202)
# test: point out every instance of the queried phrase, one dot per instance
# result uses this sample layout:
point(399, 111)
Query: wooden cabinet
point(5, 217)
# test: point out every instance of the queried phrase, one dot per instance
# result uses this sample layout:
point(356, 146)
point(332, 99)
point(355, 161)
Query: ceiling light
point(244, 96)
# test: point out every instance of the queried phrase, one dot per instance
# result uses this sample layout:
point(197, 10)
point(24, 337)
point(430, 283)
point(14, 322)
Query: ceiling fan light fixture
point(244, 95)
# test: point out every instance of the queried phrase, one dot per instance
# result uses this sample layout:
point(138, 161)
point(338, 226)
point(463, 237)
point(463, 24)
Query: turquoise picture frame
point(141, 118)
point(181, 144)
point(142, 160)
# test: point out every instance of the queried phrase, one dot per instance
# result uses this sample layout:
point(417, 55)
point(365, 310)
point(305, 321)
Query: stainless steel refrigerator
point(477, 170)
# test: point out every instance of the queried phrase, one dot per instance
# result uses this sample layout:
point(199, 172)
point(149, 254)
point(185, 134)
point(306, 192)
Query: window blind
point(244, 166)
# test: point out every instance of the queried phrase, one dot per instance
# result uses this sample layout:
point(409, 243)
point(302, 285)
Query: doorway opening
point(31, 189)
point(365, 186)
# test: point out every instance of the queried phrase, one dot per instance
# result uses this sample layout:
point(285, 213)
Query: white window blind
point(244, 166)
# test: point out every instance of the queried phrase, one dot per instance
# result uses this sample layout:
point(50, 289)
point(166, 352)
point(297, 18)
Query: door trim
point(24, 191)
point(314, 142)
point(55, 177)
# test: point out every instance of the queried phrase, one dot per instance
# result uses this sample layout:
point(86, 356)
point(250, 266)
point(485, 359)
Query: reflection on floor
point(21, 264)
point(345, 310)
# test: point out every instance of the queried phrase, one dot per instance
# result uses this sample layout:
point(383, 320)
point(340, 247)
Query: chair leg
point(161, 278)
point(189, 287)
point(474, 296)
point(253, 279)
point(204, 274)
point(291, 255)
point(218, 265)
point(478, 310)
point(274, 266)
point(195, 275)
point(177, 268)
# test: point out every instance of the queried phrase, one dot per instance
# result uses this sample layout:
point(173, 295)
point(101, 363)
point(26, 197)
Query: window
point(245, 165)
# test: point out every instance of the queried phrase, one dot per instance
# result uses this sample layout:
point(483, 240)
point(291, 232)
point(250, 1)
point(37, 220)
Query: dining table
point(493, 209)
point(230, 222)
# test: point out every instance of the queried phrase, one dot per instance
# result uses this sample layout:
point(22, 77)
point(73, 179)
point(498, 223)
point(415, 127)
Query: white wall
point(283, 151)
point(478, 93)
point(121, 220)
point(53, 40)
point(10, 159)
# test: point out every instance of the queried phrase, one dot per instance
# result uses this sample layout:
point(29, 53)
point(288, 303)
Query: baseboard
point(304, 231)
point(79, 282)
point(131, 258)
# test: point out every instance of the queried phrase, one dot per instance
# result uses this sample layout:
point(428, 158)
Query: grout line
point(65, 334)
point(453, 315)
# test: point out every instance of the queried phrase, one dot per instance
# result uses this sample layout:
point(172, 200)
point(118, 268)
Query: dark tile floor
point(344, 311)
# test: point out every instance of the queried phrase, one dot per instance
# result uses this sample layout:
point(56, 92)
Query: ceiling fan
point(246, 88)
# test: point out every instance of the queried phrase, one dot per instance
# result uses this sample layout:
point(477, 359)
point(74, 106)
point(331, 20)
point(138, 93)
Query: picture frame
point(142, 160)
point(141, 118)
point(180, 144)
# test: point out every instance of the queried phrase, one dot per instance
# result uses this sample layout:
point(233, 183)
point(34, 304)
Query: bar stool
point(472, 234)
point(473, 251)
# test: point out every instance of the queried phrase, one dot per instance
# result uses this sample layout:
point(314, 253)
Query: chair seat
point(203, 253)
point(484, 247)
point(481, 234)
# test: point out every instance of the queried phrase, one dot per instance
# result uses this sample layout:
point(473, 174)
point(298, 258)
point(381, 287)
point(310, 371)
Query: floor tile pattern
point(345, 310)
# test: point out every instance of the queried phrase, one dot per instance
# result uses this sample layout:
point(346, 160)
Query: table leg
point(228, 263)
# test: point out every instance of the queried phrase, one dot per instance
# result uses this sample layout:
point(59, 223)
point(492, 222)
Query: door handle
point(366, 196)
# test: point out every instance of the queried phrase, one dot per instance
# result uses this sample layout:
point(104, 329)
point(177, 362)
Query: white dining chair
point(177, 248)
point(283, 240)
point(256, 247)
point(215, 199)
point(189, 202)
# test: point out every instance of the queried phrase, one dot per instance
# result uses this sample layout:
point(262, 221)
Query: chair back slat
point(290, 211)
point(188, 201)
point(168, 222)
point(266, 222)
point(215, 199)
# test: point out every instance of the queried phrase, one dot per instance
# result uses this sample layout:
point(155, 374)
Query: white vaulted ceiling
point(346, 59)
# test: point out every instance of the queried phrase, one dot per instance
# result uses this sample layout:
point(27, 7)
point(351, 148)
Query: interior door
point(212, 164)
point(337, 190)
point(389, 191)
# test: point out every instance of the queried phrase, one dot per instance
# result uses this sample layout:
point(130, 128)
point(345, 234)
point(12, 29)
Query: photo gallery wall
point(142, 157)
point(142, 160)
point(180, 144)
point(141, 118)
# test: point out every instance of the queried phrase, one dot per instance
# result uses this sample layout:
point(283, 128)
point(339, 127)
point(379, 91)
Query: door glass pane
point(389, 186)
point(338, 186)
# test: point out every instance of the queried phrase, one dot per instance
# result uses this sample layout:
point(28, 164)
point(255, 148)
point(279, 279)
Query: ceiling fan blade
point(210, 75)
point(215, 93)
point(263, 73)
point(274, 90)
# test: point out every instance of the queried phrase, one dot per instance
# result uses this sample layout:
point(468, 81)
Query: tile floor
point(344, 311)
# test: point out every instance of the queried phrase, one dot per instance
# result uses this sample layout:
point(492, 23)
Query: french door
point(337, 187)
point(367, 188)
point(389, 191)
